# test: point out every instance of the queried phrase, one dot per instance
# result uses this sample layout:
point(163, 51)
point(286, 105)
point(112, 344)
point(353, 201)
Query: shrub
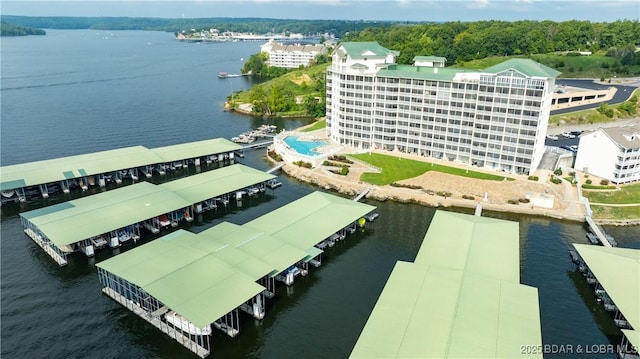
point(344, 170)
point(558, 172)
point(411, 186)
point(465, 196)
point(303, 164)
point(604, 182)
point(588, 181)
point(533, 178)
point(276, 157)
point(444, 194)
point(512, 201)
point(572, 173)
point(556, 180)
point(523, 200)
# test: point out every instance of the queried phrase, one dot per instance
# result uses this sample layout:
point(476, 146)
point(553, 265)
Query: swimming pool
point(304, 147)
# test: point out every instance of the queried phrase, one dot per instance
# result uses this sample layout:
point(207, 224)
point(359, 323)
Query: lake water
point(79, 91)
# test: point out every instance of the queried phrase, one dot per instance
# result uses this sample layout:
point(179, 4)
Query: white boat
point(272, 183)
point(98, 242)
point(181, 323)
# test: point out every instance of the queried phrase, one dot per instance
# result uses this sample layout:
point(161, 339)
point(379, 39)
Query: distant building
point(494, 118)
point(612, 153)
point(291, 56)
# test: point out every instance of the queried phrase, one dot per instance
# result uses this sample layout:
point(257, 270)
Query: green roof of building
point(86, 217)
point(421, 72)
point(618, 272)
point(311, 219)
point(195, 149)
point(190, 281)
point(58, 169)
point(633, 336)
point(460, 299)
point(526, 67)
point(214, 183)
point(472, 244)
point(368, 49)
point(433, 312)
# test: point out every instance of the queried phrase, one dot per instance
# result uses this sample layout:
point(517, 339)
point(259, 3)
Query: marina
point(613, 275)
point(196, 281)
point(40, 179)
point(82, 225)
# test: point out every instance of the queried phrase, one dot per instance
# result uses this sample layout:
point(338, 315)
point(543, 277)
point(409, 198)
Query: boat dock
point(113, 217)
point(251, 136)
point(41, 179)
point(456, 282)
point(207, 278)
point(361, 195)
point(614, 274)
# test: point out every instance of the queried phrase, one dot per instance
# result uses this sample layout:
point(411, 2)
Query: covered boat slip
point(460, 299)
point(616, 276)
point(17, 182)
point(207, 278)
point(73, 225)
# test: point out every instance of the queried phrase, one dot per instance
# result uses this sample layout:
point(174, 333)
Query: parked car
point(573, 148)
point(552, 137)
point(568, 135)
point(576, 133)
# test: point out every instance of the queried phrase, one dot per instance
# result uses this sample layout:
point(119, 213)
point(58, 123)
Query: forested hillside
point(255, 25)
point(464, 41)
point(17, 30)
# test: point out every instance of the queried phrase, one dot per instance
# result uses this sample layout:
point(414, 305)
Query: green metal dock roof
point(433, 312)
point(204, 276)
point(257, 247)
point(86, 217)
point(217, 182)
point(58, 169)
point(195, 149)
point(184, 277)
point(311, 219)
point(618, 271)
point(473, 246)
point(73, 221)
point(460, 299)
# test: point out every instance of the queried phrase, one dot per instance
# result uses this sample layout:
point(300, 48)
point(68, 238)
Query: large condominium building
point(494, 118)
point(611, 153)
point(291, 56)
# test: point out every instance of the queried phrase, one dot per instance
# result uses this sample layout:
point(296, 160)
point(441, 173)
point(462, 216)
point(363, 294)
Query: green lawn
point(316, 126)
point(619, 213)
point(396, 169)
point(626, 195)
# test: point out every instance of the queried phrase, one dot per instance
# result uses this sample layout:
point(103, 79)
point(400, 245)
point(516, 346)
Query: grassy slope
point(396, 169)
point(629, 194)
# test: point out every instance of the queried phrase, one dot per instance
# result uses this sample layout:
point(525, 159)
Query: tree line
point(17, 30)
point(464, 41)
point(254, 25)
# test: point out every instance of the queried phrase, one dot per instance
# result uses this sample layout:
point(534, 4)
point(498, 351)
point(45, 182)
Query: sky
point(395, 10)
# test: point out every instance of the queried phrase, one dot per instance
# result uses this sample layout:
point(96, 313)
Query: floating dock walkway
point(114, 217)
point(207, 278)
point(598, 231)
point(40, 179)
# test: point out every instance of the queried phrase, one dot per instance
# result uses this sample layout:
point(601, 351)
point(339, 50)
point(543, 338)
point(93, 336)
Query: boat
point(371, 217)
point(226, 75)
point(98, 242)
point(164, 221)
point(611, 240)
point(181, 323)
point(272, 183)
point(592, 238)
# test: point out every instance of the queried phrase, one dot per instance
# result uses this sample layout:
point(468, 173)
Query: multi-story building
point(494, 118)
point(291, 56)
point(611, 153)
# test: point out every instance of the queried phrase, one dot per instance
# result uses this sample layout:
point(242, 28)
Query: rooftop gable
point(365, 49)
point(526, 67)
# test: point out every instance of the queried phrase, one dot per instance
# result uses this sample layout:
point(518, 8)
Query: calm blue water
point(303, 147)
point(72, 92)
